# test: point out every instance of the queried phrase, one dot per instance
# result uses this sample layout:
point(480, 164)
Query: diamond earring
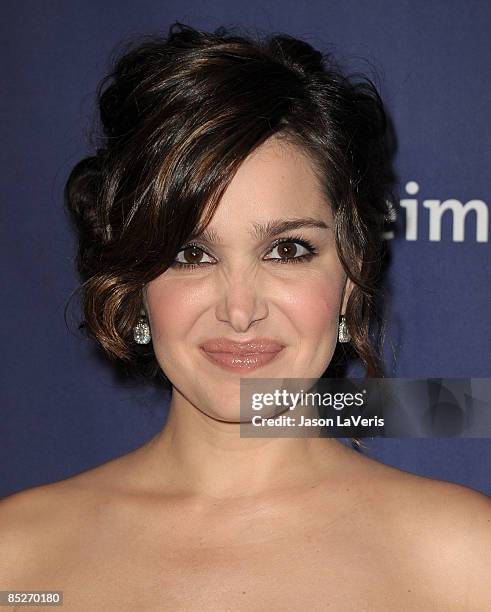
point(141, 331)
point(343, 333)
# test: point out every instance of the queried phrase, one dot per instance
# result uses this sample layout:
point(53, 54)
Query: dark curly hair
point(179, 114)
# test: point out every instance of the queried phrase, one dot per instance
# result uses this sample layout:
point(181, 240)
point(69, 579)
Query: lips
point(240, 356)
point(257, 345)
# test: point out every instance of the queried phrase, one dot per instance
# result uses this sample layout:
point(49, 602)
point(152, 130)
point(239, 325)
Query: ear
point(348, 288)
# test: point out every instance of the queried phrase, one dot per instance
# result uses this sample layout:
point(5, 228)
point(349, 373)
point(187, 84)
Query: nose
point(241, 303)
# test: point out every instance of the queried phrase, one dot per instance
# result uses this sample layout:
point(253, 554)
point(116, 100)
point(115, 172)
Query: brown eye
point(290, 249)
point(191, 255)
point(287, 250)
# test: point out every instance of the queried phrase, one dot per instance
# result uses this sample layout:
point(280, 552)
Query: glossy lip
point(241, 361)
point(253, 346)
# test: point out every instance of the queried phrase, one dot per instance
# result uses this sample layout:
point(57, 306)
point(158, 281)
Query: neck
point(200, 456)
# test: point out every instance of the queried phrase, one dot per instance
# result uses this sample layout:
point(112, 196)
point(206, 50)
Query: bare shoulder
point(41, 526)
point(445, 531)
point(454, 527)
point(27, 528)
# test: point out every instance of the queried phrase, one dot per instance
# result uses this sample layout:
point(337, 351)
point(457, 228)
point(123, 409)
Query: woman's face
point(244, 286)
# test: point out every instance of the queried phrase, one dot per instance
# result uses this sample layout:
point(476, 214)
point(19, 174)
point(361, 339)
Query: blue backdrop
point(63, 410)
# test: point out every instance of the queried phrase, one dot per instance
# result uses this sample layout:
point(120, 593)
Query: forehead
point(277, 181)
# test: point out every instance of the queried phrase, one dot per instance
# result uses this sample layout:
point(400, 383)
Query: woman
point(230, 227)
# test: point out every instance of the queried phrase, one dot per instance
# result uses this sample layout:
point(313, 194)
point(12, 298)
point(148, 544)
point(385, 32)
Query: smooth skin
point(202, 519)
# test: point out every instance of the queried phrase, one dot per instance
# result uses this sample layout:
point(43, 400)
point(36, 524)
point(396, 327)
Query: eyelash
point(301, 258)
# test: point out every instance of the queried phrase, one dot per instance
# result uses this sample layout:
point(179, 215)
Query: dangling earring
point(343, 333)
point(141, 331)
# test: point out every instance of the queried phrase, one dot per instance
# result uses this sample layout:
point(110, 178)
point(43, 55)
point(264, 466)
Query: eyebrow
point(262, 231)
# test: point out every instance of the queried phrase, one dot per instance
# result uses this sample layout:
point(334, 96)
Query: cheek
point(173, 310)
point(173, 307)
point(314, 305)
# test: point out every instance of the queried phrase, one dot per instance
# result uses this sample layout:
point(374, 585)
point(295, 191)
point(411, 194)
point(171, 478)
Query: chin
point(225, 416)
